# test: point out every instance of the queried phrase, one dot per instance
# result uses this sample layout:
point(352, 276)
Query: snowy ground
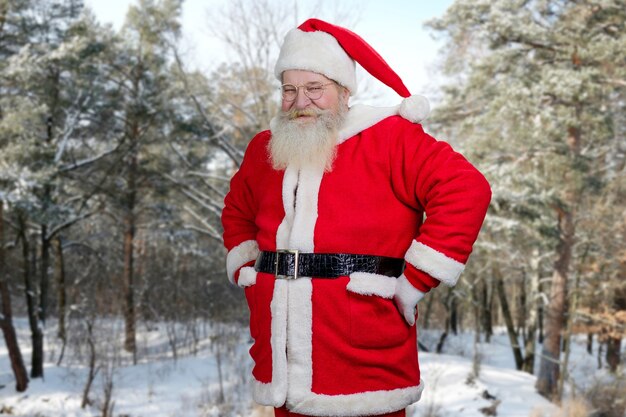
point(189, 386)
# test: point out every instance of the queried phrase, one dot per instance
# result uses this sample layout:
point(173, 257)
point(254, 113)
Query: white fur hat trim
point(318, 52)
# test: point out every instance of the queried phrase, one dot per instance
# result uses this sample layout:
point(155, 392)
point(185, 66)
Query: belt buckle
point(296, 254)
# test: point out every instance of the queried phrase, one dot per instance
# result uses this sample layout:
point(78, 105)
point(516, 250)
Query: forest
point(115, 158)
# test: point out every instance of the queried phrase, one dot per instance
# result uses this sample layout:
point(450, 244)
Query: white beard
point(313, 143)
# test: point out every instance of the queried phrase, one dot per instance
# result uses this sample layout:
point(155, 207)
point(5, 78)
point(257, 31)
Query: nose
point(302, 101)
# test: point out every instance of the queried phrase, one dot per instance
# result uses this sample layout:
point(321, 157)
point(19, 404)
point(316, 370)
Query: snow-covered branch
point(210, 230)
point(199, 197)
point(615, 81)
point(87, 161)
point(71, 121)
point(209, 176)
point(220, 138)
point(67, 224)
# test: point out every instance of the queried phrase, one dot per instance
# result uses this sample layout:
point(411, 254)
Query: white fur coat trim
point(300, 397)
point(300, 339)
point(275, 392)
point(361, 117)
point(290, 182)
point(305, 215)
point(364, 403)
point(434, 263)
point(365, 283)
point(239, 256)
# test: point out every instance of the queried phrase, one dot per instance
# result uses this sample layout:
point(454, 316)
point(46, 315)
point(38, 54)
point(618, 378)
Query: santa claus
point(338, 222)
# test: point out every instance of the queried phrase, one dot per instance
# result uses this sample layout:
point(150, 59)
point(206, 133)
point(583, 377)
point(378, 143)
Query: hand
point(406, 298)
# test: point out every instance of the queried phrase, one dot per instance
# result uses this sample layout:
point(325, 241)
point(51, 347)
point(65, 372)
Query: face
point(328, 101)
point(305, 132)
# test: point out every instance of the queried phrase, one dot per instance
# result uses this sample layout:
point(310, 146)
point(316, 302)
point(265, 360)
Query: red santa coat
point(340, 346)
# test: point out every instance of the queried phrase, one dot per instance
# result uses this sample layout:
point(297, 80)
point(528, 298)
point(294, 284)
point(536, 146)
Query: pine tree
point(50, 87)
point(535, 79)
point(150, 125)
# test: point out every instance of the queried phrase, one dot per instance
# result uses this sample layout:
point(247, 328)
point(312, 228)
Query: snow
point(161, 386)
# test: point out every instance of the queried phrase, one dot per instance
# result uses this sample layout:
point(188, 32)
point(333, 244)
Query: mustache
point(295, 113)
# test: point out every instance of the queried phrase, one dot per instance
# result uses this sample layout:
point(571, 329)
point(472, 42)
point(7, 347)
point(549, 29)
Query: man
point(324, 224)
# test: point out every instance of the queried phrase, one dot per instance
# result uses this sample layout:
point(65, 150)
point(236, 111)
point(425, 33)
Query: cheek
point(285, 106)
point(328, 101)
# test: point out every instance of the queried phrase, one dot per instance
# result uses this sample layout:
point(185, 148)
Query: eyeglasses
point(313, 91)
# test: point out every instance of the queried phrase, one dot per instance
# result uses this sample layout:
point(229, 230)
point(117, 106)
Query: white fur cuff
point(434, 263)
point(239, 256)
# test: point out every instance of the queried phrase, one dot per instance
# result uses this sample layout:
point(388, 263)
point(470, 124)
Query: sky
point(393, 27)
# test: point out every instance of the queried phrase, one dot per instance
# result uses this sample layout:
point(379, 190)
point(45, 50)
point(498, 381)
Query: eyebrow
point(308, 83)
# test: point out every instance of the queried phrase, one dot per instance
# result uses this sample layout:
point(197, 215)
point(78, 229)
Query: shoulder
point(257, 148)
point(259, 141)
point(256, 154)
point(399, 132)
point(399, 123)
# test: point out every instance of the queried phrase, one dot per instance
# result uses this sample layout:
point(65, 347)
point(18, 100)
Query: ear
point(344, 94)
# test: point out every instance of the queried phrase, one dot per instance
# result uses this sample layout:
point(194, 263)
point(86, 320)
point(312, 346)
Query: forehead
point(300, 77)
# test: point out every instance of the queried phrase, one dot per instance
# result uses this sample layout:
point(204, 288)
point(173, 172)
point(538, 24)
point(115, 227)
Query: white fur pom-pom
point(415, 108)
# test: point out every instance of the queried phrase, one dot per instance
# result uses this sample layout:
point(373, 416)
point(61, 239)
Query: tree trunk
point(442, 340)
point(4, 8)
point(59, 274)
point(486, 311)
point(531, 323)
point(566, 324)
point(549, 367)
point(220, 341)
point(52, 90)
point(129, 242)
point(6, 321)
point(93, 370)
point(476, 309)
point(454, 314)
point(522, 308)
point(599, 357)
point(614, 341)
point(567, 336)
point(129, 302)
point(540, 317)
point(590, 343)
point(613, 350)
point(429, 308)
point(43, 274)
point(31, 303)
point(444, 335)
point(510, 326)
point(529, 349)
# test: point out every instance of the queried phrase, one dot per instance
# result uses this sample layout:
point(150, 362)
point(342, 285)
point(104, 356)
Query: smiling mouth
point(302, 115)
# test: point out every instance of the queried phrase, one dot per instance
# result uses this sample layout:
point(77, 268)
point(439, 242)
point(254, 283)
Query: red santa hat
point(331, 50)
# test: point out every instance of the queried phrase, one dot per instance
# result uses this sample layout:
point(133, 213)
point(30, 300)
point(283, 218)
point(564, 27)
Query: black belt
point(291, 264)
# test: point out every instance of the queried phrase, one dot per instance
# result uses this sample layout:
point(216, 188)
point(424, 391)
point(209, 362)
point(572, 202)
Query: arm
point(429, 175)
point(238, 216)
